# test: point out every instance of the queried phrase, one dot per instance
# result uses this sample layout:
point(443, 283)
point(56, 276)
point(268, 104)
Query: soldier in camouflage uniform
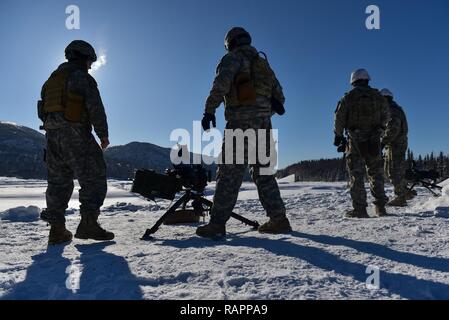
point(396, 148)
point(247, 86)
point(70, 106)
point(364, 114)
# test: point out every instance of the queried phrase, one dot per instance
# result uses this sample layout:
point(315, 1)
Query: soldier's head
point(81, 51)
point(360, 77)
point(387, 94)
point(237, 37)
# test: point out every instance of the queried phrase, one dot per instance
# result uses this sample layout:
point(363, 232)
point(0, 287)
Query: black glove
point(277, 106)
point(338, 140)
point(341, 148)
point(207, 118)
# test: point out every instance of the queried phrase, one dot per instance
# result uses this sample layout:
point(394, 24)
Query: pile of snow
point(21, 214)
point(438, 205)
point(288, 179)
point(445, 183)
point(442, 208)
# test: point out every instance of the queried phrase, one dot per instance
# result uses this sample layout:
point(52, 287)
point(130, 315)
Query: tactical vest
point(58, 99)
point(248, 84)
point(364, 109)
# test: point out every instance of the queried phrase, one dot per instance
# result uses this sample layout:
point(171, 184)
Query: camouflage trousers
point(395, 167)
point(365, 157)
point(74, 153)
point(230, 178)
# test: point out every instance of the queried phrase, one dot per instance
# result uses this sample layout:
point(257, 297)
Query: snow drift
point(21, 214)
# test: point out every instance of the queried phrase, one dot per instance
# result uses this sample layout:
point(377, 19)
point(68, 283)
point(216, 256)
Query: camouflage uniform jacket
point(362, 124)
point(82, 83)
point(397, 132)
point(224, 89)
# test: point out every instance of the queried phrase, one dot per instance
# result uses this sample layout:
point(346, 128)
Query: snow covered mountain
point(22, 153)
point(123, 160)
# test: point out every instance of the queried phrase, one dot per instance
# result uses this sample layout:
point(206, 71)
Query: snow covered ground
point(326, 257)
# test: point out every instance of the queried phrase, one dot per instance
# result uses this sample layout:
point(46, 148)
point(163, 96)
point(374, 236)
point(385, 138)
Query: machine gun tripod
point(198, 203)
point(428, 185)
point(425, 178)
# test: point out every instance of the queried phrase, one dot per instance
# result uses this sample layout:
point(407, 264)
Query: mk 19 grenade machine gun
point(190, 181)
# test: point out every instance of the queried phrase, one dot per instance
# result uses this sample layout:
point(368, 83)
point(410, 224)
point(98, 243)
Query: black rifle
point(425, 178)
point(341, 148)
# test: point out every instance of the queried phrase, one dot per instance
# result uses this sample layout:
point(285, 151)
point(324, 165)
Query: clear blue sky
point(161, 59)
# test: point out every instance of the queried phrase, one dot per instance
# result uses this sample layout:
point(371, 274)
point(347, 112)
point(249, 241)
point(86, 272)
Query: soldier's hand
point(338, 140)
point(104, 143)
point(207, 119)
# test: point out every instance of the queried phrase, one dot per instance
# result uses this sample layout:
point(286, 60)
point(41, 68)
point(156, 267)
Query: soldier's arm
point(404, 121)
point(43, 93)
point(85, 85)
point(96, 111)
point(388, 124)
point(278, 92)
point(340, 120)
point(225, 75)
point(392, 130)
point(386, 114)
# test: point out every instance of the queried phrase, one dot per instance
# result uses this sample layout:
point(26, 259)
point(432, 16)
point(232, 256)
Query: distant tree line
point(431, 161)
point(332, 170)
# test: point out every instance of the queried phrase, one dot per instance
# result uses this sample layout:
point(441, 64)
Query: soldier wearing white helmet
point(360, 75)
point(363, 115)
point(387, 93)
point(396, 143)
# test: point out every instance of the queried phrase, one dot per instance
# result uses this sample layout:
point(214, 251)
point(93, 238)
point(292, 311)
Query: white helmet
point(360, 74)
point(386, 93)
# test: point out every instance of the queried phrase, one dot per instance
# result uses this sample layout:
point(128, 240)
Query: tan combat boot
point(59, 234)
point(90, 229)
point(399, 201)
point(381, 211)
point(276, 226)
point(359, 213)
point(212, 231)
point(410, 194)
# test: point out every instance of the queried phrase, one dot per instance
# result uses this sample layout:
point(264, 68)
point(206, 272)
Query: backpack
point(365, 109)
point(259, 82)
